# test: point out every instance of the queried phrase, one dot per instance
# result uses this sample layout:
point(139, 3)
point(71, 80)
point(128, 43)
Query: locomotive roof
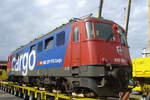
point(60, 27)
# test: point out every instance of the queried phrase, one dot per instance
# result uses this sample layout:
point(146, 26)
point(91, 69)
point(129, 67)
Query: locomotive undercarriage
point(86, 80)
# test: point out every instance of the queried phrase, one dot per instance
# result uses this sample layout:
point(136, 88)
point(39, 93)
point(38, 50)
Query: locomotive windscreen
point(103, 31)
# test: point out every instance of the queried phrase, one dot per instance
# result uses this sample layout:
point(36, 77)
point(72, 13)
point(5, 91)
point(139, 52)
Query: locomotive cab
point(95, 42)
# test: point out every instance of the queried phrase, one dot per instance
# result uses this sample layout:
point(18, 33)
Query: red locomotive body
point(97, 46)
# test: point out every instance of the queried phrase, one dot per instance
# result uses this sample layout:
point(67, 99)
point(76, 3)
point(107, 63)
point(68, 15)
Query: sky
point(24, 20)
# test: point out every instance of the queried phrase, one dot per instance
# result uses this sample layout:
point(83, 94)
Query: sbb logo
point(119, 50)
point(24, 62)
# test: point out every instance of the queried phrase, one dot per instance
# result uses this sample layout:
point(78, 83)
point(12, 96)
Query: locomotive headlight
point(115, 27)
point(104, 60)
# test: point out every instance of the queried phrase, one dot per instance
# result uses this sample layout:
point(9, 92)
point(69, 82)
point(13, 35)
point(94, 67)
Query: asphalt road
point(7, 96)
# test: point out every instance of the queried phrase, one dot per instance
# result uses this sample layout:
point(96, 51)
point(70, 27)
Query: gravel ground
point(7, 96)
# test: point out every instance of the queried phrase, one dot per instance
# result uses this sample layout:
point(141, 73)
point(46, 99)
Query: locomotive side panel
point(45, 53)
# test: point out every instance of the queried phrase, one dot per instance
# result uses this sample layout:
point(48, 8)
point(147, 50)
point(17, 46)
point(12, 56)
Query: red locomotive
point(87, 55)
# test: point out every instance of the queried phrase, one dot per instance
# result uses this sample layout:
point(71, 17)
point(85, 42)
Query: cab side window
point(33, 47)
point(40, 46)
point(76, 34)
point(60, 38)
point(49, 43)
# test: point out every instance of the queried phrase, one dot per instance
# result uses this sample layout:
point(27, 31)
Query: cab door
point(75, 44)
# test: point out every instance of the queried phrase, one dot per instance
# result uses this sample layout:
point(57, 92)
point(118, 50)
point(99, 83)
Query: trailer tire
point(144, 98)
point(15, 92)
point(50, 98)
point(25, 96)
point(20, 93)
point(5, 89)
point(38, 97)
point(31, 97)
point(11, 91)
point(148, 97)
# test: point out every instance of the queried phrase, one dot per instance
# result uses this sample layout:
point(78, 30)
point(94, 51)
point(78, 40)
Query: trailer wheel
point(144, 98)
point(8, 90)
point(3, 88)
point(148, 97)
point(50, 98)
point(25, 96)
point(20, 93)
point(15, 92)
point(11, 91)
point(31, 97)
point(38, 97)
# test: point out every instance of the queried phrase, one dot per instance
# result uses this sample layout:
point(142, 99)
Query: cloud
point(42, 3)
point(82, 4)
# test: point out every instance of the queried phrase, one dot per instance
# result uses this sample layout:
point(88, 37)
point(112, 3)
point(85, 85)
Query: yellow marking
point(3, 74)
point(141, 67)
